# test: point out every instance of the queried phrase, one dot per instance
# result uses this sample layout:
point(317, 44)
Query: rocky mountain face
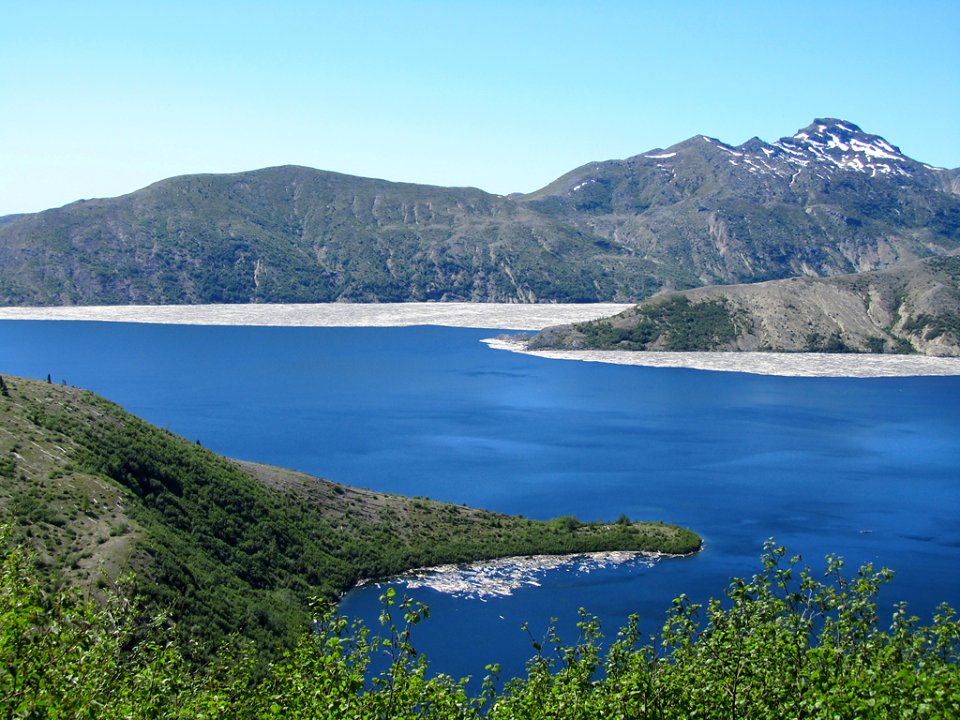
point(914, 307)
point(829, 200)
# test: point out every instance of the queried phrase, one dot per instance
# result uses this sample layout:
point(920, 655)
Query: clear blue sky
point(101, 98)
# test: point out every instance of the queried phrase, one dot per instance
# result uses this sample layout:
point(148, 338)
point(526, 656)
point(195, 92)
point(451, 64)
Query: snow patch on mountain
point(732, 152)
point(878, 149)
point(831, 146)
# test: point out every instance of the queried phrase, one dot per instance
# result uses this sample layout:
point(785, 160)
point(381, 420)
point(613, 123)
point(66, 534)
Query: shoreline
point(757, 363)
point(500, 316)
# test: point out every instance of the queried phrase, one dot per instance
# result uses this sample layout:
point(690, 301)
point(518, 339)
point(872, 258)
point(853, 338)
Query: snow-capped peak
point(842, 145)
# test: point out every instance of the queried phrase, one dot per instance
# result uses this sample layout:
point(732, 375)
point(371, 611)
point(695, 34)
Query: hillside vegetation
point(782, 644)
point(232, 547)
point(913, 307)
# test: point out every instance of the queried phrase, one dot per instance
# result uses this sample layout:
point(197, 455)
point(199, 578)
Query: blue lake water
point(865, 468)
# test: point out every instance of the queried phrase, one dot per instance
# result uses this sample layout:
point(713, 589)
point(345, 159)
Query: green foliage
point(567, 523)
point(60, 655)
point(934, 326)
point(949, 265)
point(672, 324)
point(789, 644)
point(904, 347)
point(8, 466)
point(833, 343)
point(784, 643)
point(876, 344)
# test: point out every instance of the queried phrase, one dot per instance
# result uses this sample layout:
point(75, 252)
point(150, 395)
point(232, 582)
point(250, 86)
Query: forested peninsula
point(227, 547)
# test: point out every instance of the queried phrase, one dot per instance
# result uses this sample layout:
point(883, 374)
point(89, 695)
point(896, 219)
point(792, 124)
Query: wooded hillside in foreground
point(230, 547)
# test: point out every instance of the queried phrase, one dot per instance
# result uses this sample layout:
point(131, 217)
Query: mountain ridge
point(829, 200)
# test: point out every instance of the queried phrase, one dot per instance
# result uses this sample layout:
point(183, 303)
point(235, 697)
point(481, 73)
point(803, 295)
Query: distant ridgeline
point(233, 547)
point(829, 200)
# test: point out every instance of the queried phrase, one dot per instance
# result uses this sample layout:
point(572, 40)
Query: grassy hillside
point(672, 323)
point(913, 307)
point(232, 547)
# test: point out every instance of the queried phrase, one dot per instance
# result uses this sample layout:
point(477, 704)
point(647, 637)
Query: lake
point(865, 468)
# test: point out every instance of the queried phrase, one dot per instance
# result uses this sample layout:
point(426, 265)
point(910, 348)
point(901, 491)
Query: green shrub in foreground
point(782, 644)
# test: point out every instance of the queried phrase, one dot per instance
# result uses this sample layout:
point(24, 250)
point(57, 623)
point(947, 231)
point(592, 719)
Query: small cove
point(863, 467)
